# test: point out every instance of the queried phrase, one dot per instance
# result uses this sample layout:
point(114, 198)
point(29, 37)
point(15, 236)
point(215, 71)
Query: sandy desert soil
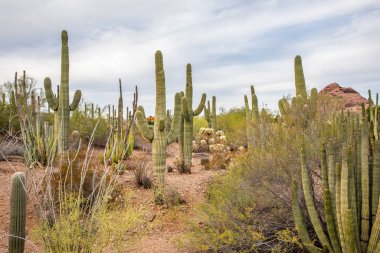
point(162, 226)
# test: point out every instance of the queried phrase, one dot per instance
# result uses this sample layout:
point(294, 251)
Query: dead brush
point(74, 200)
point(10, 146)
point(141, 176)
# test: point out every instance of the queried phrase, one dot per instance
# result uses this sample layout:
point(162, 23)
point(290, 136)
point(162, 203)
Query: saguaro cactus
point(253, 120)
point(61, 105)
point(299, 77)
point(210, 114)
point(188, 115)
point(17, 214)
point(159, 137)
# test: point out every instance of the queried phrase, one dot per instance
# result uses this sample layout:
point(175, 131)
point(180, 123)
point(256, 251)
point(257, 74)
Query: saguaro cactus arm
point(51, 99)
point(201, 105)
point(74, 104)
point(143, 125)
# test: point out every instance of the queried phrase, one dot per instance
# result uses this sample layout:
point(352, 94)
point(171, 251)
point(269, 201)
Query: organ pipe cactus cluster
point(159, 137)
point(188, 116)
point(253, 120)
point(210, 114)
point(62, 105)
point(351, 190)
point(17, 214)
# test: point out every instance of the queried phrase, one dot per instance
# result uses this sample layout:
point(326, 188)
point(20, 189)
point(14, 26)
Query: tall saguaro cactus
point(253, 119)
point(299, 78)
point(159, 137)
point(17, 214)
point(62, 105)
point(188, 115)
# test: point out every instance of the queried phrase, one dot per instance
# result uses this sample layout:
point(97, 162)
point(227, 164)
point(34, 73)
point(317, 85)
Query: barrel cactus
point(17, 214)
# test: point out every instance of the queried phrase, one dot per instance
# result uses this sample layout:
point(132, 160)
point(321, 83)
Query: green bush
point(199, 122)
point(85, 125)
point(234, 125)
point(249, 208)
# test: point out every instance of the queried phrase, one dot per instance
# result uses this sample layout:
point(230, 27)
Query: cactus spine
point(61, 105)
point(188, 115)
point(17, 214)
point(159, 138)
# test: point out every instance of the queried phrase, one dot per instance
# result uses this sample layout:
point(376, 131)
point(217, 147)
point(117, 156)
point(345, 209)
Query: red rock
point(352, 99)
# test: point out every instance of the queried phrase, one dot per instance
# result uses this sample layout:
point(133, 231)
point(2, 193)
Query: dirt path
point(169, 224)
point(162, 225)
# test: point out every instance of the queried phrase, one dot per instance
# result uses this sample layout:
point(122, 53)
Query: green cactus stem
point(159, 137)
point(17, 214)
point(120, 113)
point(253, 120)
point(299, 78)
point(206, 112)
point(188, 115)
point(61, 105)
point(213, 114)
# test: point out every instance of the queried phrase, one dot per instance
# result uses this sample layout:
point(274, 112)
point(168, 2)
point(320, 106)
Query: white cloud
point(231, 44)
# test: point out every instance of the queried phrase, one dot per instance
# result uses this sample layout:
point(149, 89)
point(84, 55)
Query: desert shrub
point(173, 197)
point(106, 227)
point(85, 125)
point(10, 146)
point(141, 176)
point(199, 122)
point(234, 125)
point(248, 209)
point(78, 207)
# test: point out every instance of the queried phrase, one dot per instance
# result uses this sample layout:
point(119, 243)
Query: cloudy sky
point(230, 44)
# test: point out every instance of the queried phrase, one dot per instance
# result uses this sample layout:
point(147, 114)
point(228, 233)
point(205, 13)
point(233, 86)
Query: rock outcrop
point(352, 99)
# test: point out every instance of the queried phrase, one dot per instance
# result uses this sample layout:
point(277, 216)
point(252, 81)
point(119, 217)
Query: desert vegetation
point(85, 178)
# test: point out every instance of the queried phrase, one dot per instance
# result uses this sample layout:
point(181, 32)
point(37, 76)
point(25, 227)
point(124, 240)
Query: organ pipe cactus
point(253, 120)
point(188, 115)
point(159, 137)
point(62, 105)
point(350, 192)
point(17, 214)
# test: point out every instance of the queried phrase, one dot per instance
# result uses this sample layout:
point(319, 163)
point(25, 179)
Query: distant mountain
point(351, 98)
